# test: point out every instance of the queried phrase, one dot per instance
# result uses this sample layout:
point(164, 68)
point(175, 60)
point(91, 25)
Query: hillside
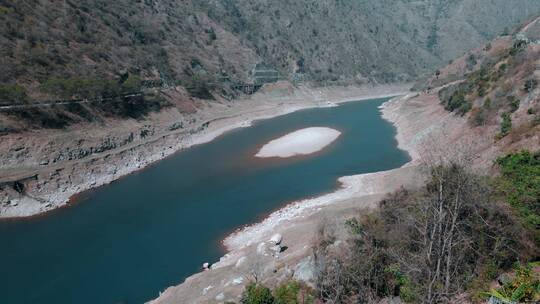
point(79, 49)
point(457, 224)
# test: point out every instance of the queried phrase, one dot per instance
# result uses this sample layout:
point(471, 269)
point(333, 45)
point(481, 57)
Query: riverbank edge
point(370, 186)
point(351, 186)
point(270, 107)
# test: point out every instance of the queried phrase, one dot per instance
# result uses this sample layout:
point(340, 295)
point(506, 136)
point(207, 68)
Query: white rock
point(205, 266)
point(238, 281)
point(276, 239)
point(240, 262)
point(276, 249)
point(220, 297)
point(206, 289)
point(261, 248)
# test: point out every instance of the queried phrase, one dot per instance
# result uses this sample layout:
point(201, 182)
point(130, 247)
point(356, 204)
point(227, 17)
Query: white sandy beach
point(301, 142)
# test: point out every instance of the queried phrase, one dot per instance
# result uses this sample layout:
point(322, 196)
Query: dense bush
point(524, 287)
point(257, 294)
point(454, 98)
point(424, 246)
point(458, 102)
point(520, 184)
point(290, 292)
point(293, 292)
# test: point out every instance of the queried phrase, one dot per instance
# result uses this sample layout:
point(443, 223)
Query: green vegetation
point(12, 94)
point(257, 294)
point(518, 47)
point(520, 185)
point(290, 292)
point(514, 102)
point(293, 292)
point(493, 80)
point(90, 87)
point(131, 84)
point(455, 100)
point(524, 287)
point(506, 124)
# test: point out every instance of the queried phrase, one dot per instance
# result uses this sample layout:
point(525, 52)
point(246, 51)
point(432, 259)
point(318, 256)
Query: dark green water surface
point(124, 242)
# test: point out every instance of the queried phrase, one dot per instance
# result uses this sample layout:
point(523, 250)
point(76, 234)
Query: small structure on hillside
point(263, 73)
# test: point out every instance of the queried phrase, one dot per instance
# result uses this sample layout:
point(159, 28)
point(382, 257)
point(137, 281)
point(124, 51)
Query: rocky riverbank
point(250, 248)
point(424, 129)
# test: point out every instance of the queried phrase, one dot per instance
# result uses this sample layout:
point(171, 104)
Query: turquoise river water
point(125, 242)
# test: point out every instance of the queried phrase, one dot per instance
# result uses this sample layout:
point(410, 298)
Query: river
point(124, 242)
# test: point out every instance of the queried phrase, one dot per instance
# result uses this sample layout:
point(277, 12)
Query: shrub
point(520, 184)
point(287, 293)
point(530, 85)
point(132, 83)
point(257, 294)
point(514, 102)
point(506, 124)
point(401, 283)
point(518, 47)
point(523, 288)
point(458, 103)
point(478, 116)
point(12, 94)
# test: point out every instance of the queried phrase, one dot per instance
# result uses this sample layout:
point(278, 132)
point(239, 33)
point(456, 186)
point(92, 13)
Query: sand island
point(300, 142)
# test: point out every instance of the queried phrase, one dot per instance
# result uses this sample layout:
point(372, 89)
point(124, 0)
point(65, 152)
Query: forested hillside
point(62, 48)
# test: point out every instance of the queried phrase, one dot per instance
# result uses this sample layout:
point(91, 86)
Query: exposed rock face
point(305, 271)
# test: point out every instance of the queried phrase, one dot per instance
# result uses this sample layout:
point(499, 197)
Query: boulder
point(238, 281)
point(275, 250)
point(206, 289)
point(276, 239)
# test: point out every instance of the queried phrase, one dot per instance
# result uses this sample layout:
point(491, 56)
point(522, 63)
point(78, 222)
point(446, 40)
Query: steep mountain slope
point(218, 42)
point(432, 133)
